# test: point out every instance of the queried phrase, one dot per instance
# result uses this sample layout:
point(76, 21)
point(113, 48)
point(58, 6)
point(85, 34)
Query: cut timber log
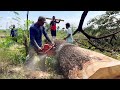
point(80, 63)
point(55, 19)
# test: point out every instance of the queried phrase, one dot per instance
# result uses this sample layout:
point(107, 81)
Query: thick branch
point(92, 37)
point(81, 22)
point(113, 36)
point(101, 49)
point(76, 40)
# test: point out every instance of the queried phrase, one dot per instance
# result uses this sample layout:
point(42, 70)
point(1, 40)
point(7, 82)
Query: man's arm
point(32, 38)
point(67, 36)
point(57, 21)
point(46, 36)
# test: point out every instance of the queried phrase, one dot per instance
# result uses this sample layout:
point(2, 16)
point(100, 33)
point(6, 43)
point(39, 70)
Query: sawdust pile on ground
point(8, 71)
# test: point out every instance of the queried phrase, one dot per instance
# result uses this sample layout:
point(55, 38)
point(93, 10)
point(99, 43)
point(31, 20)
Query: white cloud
point(9, 17)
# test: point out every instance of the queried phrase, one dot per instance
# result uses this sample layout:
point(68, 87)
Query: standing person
point(14, 33)
point(53, 27)
point(36, 31)
point(69, 37)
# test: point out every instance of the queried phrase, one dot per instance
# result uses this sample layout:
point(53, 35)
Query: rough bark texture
point(80, 63)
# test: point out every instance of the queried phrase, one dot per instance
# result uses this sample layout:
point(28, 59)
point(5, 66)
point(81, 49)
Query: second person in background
point(53, 28)
point(69, 37)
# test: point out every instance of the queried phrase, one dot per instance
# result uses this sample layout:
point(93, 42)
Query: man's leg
point(35, 61)
point(54, 35)
point(29, 58)
point(53, 38)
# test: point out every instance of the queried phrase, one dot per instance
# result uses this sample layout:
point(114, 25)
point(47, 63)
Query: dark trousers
point(53, 32)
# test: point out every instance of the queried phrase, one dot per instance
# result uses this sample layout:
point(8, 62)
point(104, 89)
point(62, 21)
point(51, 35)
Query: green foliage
point(12, 56)
point(51, 63)
point(61, 34)
point(103, 25)
point(11, 51)
point(29, 23)
point(18, 57)
point(109, 20)
point(6, 42)
point(21, 34)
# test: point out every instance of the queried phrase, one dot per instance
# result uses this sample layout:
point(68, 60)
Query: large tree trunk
point(76, 62)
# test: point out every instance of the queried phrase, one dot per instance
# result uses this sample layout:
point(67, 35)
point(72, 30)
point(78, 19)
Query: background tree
point(103, 31)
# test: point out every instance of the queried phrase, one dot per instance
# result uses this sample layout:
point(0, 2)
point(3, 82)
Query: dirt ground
point(8, 71)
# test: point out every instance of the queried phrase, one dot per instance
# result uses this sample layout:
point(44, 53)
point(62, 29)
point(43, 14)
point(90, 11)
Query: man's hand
point(52, 43)
point(40, 49)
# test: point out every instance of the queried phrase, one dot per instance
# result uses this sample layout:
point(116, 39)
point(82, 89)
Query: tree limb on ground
point(92, 37)
point(76, 40)
point(101, 49)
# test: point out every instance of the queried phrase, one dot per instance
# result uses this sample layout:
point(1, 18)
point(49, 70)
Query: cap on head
point(41, 18)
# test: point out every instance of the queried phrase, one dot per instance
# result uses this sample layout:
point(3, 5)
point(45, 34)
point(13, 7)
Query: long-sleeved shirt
point(36, 32)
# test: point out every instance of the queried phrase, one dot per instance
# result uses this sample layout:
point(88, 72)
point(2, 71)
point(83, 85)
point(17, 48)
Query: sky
point(73, 17)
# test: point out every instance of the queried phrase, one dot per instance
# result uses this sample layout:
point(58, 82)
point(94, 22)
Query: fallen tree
point(79, 63)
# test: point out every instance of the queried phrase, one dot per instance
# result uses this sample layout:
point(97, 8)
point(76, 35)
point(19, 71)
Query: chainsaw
point(46, 48)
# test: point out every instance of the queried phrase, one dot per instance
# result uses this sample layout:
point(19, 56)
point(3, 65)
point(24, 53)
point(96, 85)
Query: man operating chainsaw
point(36, 31)
point(35, 50)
